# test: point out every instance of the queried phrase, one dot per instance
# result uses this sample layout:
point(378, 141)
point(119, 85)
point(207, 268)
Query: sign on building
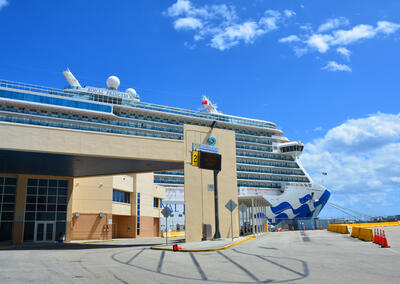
point(210, 161)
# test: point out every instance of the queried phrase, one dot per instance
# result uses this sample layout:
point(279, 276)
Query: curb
point(93, 242)
point(6, 247)
point(207, 250)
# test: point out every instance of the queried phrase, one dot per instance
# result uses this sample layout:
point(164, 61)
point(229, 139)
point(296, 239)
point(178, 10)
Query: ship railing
point(218, 117)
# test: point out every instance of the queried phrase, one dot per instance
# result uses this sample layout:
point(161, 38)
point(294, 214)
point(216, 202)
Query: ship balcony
point(247, 171)
point(266, 165)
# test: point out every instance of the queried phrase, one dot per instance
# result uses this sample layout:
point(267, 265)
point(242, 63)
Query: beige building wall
point(149, 216)
point(93, 195)
point(199, 201)
point(24, 137)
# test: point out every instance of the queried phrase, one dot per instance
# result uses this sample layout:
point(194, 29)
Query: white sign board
point(204, 148)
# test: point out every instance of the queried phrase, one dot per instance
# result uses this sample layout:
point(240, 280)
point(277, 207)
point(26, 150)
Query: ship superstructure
point(267, 163)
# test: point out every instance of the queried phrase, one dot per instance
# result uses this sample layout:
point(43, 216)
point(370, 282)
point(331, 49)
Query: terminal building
point(93, 163)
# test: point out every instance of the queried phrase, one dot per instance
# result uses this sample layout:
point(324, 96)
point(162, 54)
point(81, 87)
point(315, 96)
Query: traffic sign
point(195, 158)
point(230, 205)
point(166, 211)
point(242, 207)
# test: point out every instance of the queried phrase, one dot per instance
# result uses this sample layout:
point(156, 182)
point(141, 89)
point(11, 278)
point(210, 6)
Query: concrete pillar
point(68, 222)
point(252, 216)
point(199, 201)
point(19, 216)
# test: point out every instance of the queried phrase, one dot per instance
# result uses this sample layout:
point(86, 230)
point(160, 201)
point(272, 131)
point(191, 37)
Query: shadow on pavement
point(80, 246)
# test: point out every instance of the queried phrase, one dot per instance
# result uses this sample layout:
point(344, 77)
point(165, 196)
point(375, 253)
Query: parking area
point(301, 257)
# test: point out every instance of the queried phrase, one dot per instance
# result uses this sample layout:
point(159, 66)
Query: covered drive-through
point(252, 214)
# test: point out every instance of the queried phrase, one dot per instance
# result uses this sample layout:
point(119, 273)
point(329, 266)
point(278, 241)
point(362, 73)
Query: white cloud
point(291, 38)
point(344, 52)
point(306, 27)
point(334, 66)
point(270, 19)
point(323, 41)
point(289, 13)
point(3, 3)
point(387, 27)
point(363, 134)
point(232, 35)
point(318, 128)
point(319, 42)
point(179, 8)
point(187, 23)
point(221, 25)
point(362, 159)
point(333, 24)
point(343, 37)
point(299, 51)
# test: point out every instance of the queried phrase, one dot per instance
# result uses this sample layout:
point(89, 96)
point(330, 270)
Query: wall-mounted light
point(101, 214)
point(77, 214)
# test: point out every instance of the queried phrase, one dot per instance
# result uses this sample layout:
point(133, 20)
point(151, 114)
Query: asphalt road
point(300, 257)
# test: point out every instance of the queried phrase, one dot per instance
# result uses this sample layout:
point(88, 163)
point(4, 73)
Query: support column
point(252, 216)
point(18, 228)
point(68, 223)
point(257, 218)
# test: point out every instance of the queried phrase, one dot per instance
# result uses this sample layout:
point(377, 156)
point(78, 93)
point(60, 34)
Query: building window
point(156, 203)
point(8, 190)
point(138, 215)
point(121, 196)
point(46, 201)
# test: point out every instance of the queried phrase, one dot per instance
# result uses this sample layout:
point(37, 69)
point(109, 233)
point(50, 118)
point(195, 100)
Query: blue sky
point(326, 72)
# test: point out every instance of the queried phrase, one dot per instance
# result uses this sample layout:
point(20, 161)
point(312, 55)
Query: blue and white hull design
point(297, 202)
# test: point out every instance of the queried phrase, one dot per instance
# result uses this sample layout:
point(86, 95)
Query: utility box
point(207, 232)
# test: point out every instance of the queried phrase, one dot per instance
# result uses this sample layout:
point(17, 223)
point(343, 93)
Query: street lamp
point(323, 174)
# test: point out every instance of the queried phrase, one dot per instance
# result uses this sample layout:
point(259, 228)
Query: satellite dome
point(113, 82)
point(131, 91)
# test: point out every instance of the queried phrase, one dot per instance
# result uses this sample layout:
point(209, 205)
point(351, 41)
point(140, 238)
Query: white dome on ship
point(131, 91)
point(113, 82)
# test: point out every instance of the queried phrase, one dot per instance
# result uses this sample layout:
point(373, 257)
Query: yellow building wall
point(121, 209)
point(123, 182)
point(24, 137)
point(144, 183)
point(92, 195)
point(199, 202)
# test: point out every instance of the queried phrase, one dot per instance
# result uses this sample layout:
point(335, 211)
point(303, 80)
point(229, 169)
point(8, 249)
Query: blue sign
point(212, 141)
point(205, 148)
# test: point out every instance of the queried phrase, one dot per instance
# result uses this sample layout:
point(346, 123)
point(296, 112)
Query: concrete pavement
point(300, 257)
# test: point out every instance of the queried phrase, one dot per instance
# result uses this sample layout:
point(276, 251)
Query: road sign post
point(166, 212)
point(217, 234)
point(231, 205)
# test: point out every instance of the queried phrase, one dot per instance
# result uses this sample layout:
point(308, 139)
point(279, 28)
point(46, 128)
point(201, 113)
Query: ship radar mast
point(72, 81)
point(209, 106)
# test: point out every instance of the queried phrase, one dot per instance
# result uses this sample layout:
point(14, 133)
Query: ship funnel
point(71, 80)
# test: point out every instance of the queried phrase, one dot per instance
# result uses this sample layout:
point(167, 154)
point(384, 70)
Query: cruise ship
point(267, 162)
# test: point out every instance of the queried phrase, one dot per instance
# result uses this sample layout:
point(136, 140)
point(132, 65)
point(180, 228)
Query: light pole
point(323, 174)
